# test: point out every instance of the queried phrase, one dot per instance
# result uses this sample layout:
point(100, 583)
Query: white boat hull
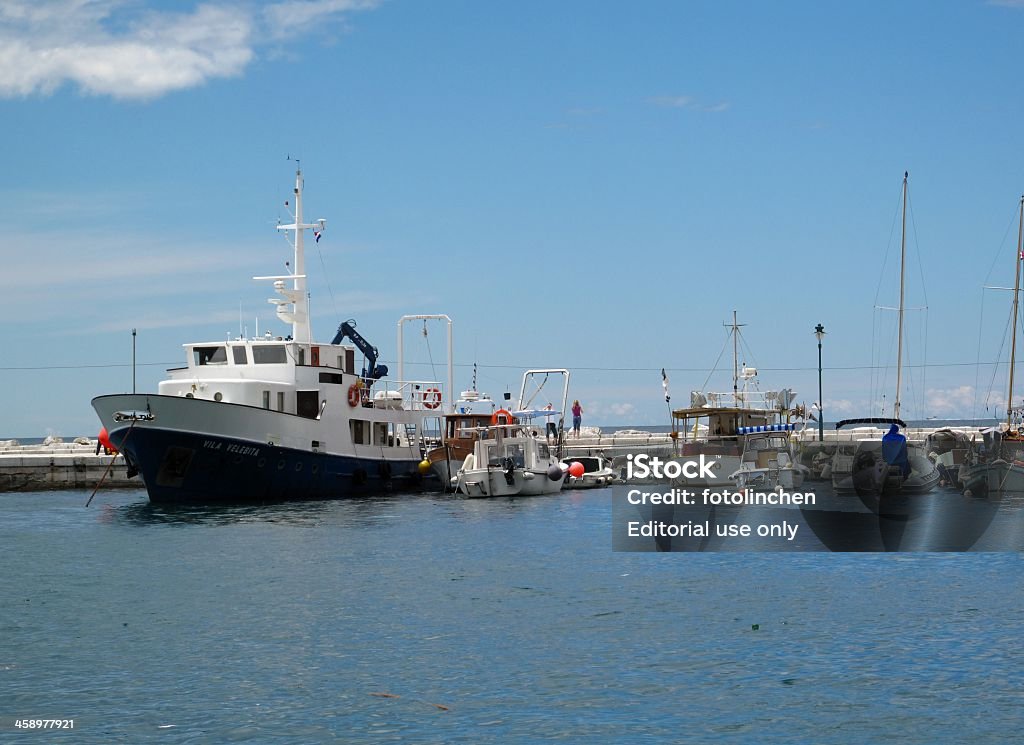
point(496, 482)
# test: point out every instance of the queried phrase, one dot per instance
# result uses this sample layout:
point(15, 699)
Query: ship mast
point(1016, 294)
point(297, 296)
point(903, 262)
point(735, 358)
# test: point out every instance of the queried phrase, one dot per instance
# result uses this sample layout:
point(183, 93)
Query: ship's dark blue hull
point(183, 468)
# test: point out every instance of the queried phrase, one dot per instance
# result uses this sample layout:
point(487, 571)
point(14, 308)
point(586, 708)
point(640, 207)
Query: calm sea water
point(280, 624)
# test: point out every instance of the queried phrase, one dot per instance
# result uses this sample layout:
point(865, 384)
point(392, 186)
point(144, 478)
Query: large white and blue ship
point(276, 417)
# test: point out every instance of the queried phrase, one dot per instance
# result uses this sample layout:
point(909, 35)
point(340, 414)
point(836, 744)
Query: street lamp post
point(819, 332)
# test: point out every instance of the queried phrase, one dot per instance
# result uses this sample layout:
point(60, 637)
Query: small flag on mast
point(316, 235)
point(664, 385)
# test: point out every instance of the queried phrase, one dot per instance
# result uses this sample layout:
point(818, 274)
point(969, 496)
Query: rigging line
point(917, 249)
point(326, 277)
point(715, 366)
point(874, 341)
point(977, 369)
point(876, 357)
point(924, 370)
point(430, 354)
point(89, 367)
point(749, 351)
point(888, 246)
point(833, 368)
point(1002, 344)
point(999, 251)
point(528, 403)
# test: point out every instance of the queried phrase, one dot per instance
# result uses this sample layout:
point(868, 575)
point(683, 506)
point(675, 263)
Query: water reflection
point(363, 510)
point(940, 520)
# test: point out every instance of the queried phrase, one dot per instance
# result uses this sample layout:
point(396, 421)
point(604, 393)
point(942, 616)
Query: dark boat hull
point(202, 469)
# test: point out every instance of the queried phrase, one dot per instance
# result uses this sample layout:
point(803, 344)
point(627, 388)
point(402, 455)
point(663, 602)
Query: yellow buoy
point(424, 465)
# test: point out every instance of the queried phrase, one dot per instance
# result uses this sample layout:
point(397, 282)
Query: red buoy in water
point(104, 439)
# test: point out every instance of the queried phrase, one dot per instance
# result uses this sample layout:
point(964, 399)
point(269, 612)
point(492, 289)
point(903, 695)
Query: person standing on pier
point(577, 417)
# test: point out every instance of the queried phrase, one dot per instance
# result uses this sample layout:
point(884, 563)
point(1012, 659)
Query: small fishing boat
point(511, 457)
point(597, 472)
point(715, 424)
point(769, 460)
point(459, 432)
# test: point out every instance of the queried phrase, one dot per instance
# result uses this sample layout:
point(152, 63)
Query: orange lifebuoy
point(431, 398)
point(353, 395)
point(501, 413)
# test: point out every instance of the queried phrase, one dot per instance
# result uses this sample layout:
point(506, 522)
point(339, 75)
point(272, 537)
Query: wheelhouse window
point(268, 354)
point(239, 355)
point(210, 355)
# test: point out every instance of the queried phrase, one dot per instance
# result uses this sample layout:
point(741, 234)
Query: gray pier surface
point(55, 464)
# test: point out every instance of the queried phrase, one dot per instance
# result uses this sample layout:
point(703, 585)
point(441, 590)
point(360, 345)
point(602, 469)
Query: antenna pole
point(735, 355)
point(133, 360)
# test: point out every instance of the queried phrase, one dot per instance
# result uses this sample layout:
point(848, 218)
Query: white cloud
point(840, 406)
point(688, 102)
point(961, 401)
point(292, 17)
point(617, 410)
point(114, 48)
point(622, 409)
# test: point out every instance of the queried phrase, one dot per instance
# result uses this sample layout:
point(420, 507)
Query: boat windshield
point(589, 464)
point(268, 354)
point(210, 355)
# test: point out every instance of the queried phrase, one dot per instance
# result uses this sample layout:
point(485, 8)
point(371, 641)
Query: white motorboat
point(769, 460)
point(276, 417)
point(511, 457)
point(597, 472)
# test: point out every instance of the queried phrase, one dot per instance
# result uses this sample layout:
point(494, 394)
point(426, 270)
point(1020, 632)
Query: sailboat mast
point(1016, 294)
point(903, 262)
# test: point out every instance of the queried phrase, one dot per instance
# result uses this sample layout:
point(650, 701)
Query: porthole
point(218, 396)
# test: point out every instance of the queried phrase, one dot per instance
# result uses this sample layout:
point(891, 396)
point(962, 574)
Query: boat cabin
point(715, 430)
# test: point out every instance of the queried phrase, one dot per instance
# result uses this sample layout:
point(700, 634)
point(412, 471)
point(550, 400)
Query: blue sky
point(593, 185)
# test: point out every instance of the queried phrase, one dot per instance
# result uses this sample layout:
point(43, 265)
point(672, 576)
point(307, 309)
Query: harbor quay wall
point(616, 445)
point(58, 465)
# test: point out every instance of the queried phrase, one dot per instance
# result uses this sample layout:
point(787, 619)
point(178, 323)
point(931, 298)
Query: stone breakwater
point(54, 464)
